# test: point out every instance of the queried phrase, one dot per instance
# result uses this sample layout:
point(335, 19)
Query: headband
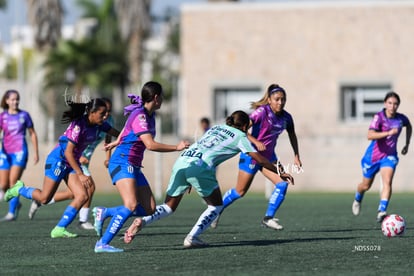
point(276, 89)
point(136, 102)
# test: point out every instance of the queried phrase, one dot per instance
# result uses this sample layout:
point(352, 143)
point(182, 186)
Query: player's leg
point(4, 173)
point(387, 174)
point(84, 211)
point(16, 172)
point(214, 207)
point(13, 175)
point(275, 201)
point(80, 194)
point(362, 187)
point(127, 189)
point(369, 170)
point(245, 176)
point(204, 181)
point(58, 196)
point(176, 189)
point(161, 211)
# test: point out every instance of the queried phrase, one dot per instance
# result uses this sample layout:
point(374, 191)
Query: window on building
point(359, 103)
point(231, 98)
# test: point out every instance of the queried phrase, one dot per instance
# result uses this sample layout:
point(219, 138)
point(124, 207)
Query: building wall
point(310, 48)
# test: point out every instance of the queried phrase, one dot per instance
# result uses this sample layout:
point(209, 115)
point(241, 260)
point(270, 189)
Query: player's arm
point(293, 139)
point(375, 135)
point(35, 143)
point(408, 132)
point(115, 143)
point(262, 161)
point(153, 145)
point(259, 145)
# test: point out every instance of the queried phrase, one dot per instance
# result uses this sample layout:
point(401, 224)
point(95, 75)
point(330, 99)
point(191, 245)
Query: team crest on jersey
point(21, 119)
point(376, 117)
point(141, 117)
point(75, 132)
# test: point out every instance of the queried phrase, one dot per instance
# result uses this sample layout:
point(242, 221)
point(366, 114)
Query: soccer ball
point(393, 225)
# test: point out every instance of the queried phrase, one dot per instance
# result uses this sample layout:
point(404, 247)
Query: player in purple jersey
point(381, 154)
point(14, 152)
point(84, 161)
point(126, 163)
point(86, 122)
point(268, 121)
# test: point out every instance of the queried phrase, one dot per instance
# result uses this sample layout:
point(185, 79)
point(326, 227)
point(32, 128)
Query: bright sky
point(15, 13)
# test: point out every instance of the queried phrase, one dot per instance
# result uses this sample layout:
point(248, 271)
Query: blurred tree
point(46, 18)
point(3, 4)
point(135, 24)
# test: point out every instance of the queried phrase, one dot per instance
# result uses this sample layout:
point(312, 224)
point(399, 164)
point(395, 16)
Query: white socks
point(161, 211)
point(83, 214)
point(205, 219)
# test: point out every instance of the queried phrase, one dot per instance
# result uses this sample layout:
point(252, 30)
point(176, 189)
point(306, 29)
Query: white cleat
point(33, 208)
point(381, 216)
point(272, 223)
point(86, 225)
point(356, 207)
point(193, 242)
point(8, 217)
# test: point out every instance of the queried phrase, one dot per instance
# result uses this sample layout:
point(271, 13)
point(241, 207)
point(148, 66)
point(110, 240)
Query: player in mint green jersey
point(196, 168)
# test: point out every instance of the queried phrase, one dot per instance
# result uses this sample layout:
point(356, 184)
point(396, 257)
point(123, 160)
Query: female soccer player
point(268, 120)
point(126, 162)
point(196, 167)
point(86, 122)
point(381, 154)
point(84, 161)
point(14, 153)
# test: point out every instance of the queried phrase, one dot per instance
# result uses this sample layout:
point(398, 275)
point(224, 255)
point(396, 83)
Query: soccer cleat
point(133, 230)
point(106, 248)
point(356, 207)
point(13, 191)
point(60, 232)
point(215, 222)
point(98, 213)
point(86, 225)
point(193, 242)
point(8, 217)
point(272, 223)
point(381, 215)
point(33, 208)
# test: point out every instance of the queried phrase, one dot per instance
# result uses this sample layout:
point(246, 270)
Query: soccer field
point(321, 237)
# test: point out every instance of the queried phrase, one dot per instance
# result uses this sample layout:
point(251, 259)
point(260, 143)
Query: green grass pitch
point(321, 237)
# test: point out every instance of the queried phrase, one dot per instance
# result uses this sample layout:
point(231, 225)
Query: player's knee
point(82, 198)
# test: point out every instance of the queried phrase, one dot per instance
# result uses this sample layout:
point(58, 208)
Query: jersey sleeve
point(405, 120)
point(257, 115)
point(73, 132)
point(375, 123)
point(140, 124)
point(28, 120)
point(290, 125)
